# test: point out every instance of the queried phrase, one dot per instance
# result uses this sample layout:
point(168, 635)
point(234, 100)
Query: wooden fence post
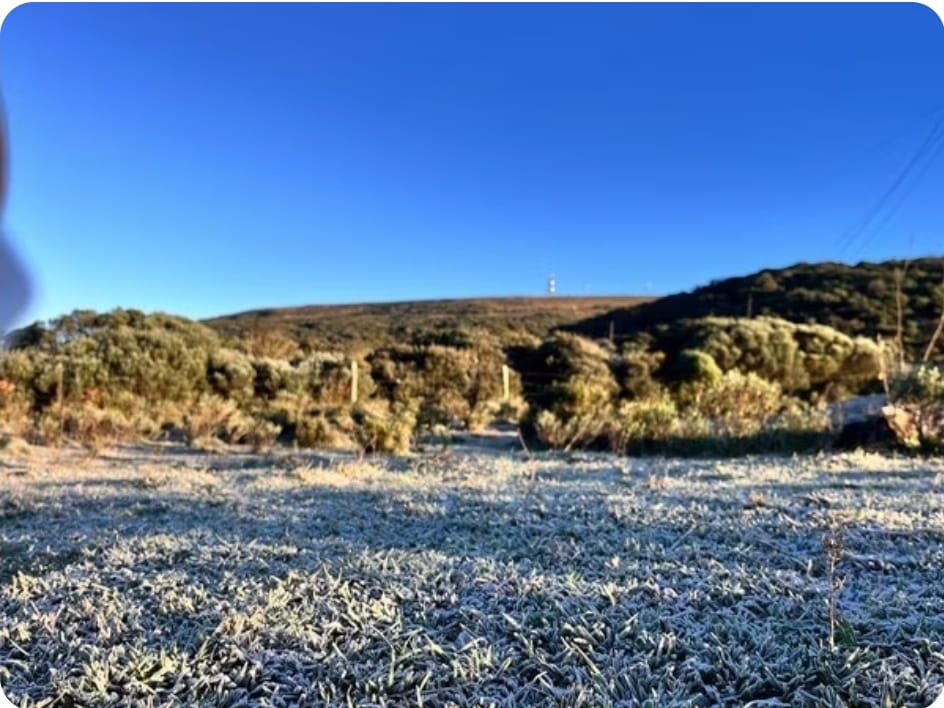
point(506, 382)
point(353, 381)
point(60, 399)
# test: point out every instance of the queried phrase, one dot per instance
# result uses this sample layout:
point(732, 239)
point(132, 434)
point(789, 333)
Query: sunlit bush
point(739, 404)
point(645, 422)
point(379, 428)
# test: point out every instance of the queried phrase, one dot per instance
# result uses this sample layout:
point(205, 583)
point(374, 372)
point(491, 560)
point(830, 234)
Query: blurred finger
point(14, 281)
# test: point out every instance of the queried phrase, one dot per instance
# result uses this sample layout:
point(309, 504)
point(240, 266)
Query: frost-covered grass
point(472, 578)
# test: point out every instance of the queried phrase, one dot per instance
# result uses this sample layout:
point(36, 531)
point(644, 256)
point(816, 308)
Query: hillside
point(373, 324)
point(856, 300)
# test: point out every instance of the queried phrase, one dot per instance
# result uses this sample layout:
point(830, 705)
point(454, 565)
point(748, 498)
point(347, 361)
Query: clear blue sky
point(205, 159)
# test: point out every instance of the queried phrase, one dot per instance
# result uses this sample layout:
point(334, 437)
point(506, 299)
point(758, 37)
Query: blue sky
point(205, 159)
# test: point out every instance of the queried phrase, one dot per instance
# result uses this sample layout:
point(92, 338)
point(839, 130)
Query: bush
point(382, 429)
point(269, 344)
point(15, 408)
point(801, 358)
point(153, 357)
point(274, 376)
point(231, 374)
point(329, 428)
point(215, 417)
point(642, 424)
point(694, 366)
point(635, 371)
point(916, 413)
point(94, 427)
point(921, 386)
point(450, 385)
point(574, 378)
point(581, 431)
point(326, 378)
point(262, 435)
point(739, 404)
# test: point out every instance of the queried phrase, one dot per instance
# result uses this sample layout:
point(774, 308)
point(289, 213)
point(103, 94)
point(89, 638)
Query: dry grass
point(166, 577)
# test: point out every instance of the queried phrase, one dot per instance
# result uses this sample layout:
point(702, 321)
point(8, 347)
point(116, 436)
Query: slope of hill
point(372, 324)
point(856, 300)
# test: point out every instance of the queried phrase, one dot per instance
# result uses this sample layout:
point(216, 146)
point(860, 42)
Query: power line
point(928, 145)
point(904, 196)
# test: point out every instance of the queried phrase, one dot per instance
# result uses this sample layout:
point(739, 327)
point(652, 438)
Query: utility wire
point(928, 145)
point(904, 195)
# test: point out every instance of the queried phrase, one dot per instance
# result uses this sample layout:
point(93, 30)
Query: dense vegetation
point(857, 300)
point(366, 326)
point(687, 384)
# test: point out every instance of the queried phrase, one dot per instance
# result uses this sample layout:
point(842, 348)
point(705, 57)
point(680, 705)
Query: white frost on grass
point(471, 578)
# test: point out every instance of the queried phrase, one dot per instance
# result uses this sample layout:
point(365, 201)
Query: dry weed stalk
point(832, 547)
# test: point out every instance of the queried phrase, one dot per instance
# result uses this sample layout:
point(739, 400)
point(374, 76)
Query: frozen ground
point(474, 577)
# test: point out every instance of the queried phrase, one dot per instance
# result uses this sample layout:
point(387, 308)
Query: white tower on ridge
point(551, 285)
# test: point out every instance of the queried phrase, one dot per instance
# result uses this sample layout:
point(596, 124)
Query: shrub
point(801, 358)
point(382, 429)
point(642, 423)
point(694, 366)
point(916, 413)
point(635, 370)
point(327, 428)
point(262, 435)
point(269, 344)
point(694, 371)
point(922, 386)
point(274, 376)
point(15, 407)
point(215, 417)
point(154, 357)
point(94, 427)
point(574, 379)
point(580, 431)
point(231, 374)
point(453, 386)
point(326, 378)
point(739, 404)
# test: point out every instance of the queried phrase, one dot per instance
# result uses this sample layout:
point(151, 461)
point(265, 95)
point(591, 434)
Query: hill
point(375, 324)
point(854, 299)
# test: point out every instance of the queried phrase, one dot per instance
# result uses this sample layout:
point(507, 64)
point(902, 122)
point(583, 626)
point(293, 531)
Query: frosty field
point(162, 577)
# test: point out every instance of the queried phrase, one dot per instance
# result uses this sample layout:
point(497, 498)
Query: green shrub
point(739, 404)
point(262, 435)
point(274, 376)
point(801, 358)
point(693, 366)
point(379, 428)
point(917, 411)
point(565, 434)
point(643, 423)
point(922, 386)
point(231, 374)
point(635, 370)
point(94, 427)
point(215, 417)
point(325, 428)
point(453, 386)
point(575, 378)
point(327, 378)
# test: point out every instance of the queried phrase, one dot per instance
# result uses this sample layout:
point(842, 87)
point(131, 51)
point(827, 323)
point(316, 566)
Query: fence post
point(60, 399)
point(506, 380)
point(353, 381)
point(612, 330)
